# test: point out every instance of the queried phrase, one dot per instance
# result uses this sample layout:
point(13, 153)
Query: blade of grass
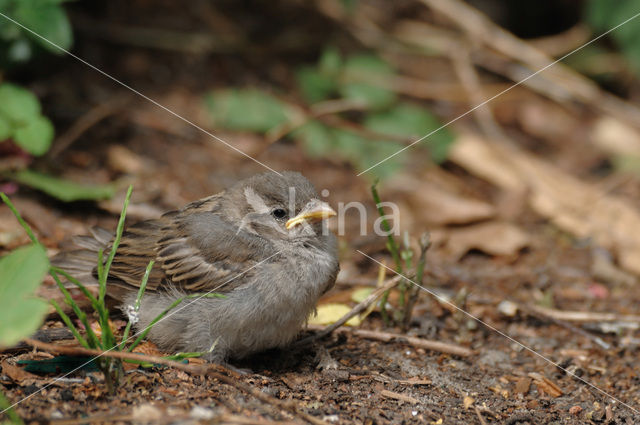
point(101, 276)
point(211, 295)
point(425, 243)
point(392, 247)
point(5, 407)
point(93, 342)
point(116, 242)
point(136, 307)
point(73, 280)
point(108, 339)
point(166, 311)
point(153, 322)
point(67, 321)
point(23, 223)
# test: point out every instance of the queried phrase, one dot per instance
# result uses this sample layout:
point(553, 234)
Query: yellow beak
point(313, 211)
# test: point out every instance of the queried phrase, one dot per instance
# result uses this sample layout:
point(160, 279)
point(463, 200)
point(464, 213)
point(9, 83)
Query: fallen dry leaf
point(440, 207)
point(17, 374)
point(467, 401)
point(615, 137)
point(330, 313)
point(494, 238)
point(522, 385)
point(123, 160)
point(546, 385)
point(400, 397)
point(579, 208)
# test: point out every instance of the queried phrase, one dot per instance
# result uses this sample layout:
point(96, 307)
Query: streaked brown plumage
point(271, 269)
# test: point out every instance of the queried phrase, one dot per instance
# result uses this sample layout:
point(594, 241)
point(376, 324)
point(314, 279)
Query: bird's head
point(282, 207)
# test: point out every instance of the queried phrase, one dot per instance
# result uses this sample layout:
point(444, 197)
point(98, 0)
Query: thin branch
point(362, 306)
point(427, 344)
point(86, 121)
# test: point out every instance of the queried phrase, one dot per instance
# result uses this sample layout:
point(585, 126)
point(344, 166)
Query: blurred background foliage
point(339, 100)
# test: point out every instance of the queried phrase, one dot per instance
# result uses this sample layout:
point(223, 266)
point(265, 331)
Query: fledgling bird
point(263, 244)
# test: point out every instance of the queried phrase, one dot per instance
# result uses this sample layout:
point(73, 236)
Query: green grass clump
point(403, 258)
point(106, 340)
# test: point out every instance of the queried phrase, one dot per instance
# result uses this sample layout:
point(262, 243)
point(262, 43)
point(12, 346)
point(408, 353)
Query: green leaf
point(603, 15)
point(367, 65)
point(314, 85)
point(364, 153)
point(360, 74)
point(6, 129)
point(316, 138)
point(36, 136)
point(48, 20)
point(374, 97)
point(411, 121)
point(322, 141)
point(330, 62)
point(246, 109)
point(21, 273)
point(18, 104)
point(19, 51)
point(64, 190)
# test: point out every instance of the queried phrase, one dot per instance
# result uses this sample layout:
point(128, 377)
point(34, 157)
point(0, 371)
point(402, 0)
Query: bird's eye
point(279, 213)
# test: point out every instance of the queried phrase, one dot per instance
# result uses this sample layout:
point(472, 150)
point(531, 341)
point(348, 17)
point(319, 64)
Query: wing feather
point(191, 249)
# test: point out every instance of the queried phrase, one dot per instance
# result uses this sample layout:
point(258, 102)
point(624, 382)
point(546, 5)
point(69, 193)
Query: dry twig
point(427, 344)
point(482, 29)
point(362, 306)
point(86, 121)
point(583, 316)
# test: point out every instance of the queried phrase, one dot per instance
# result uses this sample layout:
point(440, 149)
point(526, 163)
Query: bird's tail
point(81, 260)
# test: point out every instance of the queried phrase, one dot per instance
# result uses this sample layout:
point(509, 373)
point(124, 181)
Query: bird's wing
point(194, 251)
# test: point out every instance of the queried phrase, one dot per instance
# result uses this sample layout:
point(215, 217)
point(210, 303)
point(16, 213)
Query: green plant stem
point(102, 287)
point(58, 271)
point(5, 406)
point(93, 341)
point(392, 247)
point(159, 317)
point(67, 321)
point(23, 223)
point(136, 307)
point(116, 243)
point(425, 243)
point(165, 312)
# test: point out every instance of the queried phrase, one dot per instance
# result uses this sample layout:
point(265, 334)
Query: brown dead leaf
point(522, 385)
point(400, 397)
point(579, 208)
point(477, 157)
point(615, 137)
point(121, 159)
point(440, 207)
point(467, 401)
point(17, 374)
point(11, 233)
point(546, 385)
point(494, 238)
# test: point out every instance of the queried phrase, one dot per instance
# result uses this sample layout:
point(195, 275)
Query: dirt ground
point(522, 347)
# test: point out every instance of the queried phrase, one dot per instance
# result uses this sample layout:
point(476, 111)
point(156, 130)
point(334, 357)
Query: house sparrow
point(263, 244)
